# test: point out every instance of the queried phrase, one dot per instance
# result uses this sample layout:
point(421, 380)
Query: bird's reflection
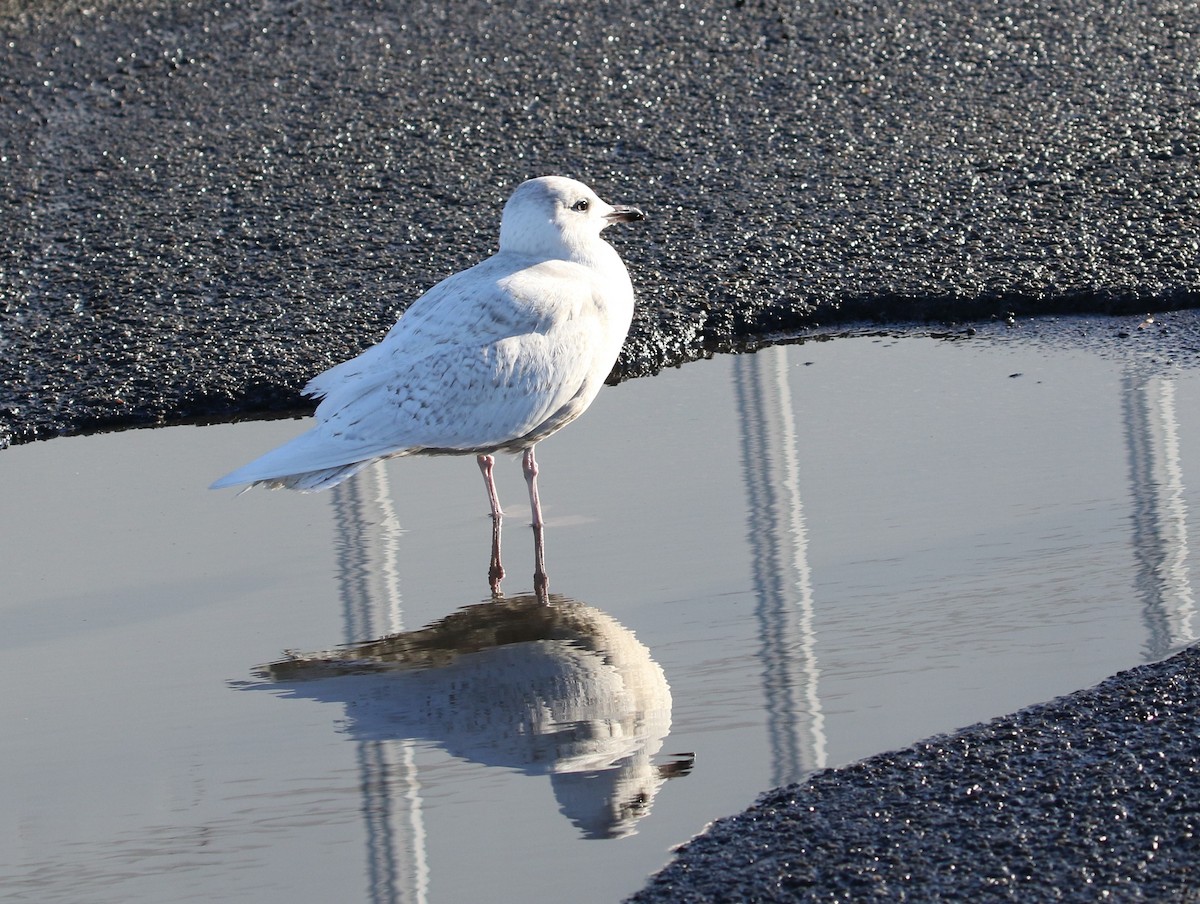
point(538, 683)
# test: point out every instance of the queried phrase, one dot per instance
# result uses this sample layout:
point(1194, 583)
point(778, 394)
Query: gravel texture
point(207, 202)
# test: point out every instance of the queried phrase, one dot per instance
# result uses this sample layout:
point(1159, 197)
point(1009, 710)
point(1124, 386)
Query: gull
point(492, 359)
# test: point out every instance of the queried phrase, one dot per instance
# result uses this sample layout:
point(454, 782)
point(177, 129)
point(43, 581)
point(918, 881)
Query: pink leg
point(541, 581)
point(486, 464)
point(495, 569)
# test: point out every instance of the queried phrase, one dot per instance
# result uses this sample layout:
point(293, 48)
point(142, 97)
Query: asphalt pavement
point(1091, 797)
point(205, 203)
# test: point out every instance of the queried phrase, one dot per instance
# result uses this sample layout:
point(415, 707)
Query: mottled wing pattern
point(503, 354)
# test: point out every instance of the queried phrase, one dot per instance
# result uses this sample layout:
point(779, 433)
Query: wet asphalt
point(205, 203)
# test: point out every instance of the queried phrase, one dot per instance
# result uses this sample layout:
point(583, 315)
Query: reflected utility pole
point(782, 579)
point(367, 535)
point(1160, 514)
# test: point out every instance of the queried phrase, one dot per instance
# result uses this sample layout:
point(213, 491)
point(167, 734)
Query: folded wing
point(491, 358)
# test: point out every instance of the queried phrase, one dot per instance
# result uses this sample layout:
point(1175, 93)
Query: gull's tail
point(306, 463)
point(305, 481)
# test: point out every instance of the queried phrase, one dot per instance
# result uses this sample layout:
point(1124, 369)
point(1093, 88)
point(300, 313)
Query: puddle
point(772, 562)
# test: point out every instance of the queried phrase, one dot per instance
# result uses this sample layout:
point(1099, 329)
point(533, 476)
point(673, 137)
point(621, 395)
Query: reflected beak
point(623, 214)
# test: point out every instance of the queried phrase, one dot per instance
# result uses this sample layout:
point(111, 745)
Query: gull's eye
point(581, 205)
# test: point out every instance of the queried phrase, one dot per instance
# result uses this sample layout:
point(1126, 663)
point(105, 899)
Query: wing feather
point(494, 357)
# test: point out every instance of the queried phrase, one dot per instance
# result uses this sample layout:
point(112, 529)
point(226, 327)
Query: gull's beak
point(622, 214)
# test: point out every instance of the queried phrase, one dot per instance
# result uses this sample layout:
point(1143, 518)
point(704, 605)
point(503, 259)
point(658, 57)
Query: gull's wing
point(504, 352)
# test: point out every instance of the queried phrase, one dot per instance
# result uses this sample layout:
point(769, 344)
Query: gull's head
point(556, 217)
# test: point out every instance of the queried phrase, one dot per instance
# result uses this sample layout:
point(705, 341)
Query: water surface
point(771, 563)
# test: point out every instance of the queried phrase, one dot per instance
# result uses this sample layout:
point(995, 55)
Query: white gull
point(492, 359)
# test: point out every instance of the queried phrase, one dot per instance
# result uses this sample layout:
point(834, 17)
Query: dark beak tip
point(626, 215)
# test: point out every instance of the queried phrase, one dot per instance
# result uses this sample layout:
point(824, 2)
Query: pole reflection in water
point(1160, 514)
point(368, 532)
point(782, 579)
